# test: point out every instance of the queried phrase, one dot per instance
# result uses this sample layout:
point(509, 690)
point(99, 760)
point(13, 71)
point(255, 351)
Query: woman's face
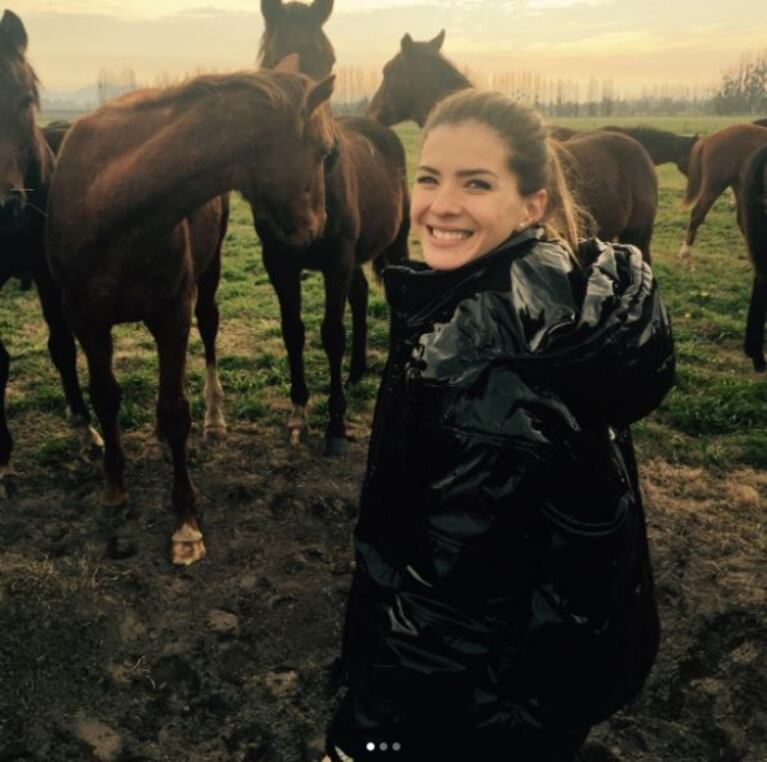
point(466, 200)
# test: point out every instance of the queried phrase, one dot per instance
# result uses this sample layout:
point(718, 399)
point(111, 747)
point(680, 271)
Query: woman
point(502, 602)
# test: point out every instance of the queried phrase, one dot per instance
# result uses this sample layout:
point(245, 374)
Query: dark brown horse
point(662, 146)
point(717, 162)
point(753, 218)
point(135, 226)
point(611, 175)
point(367, 205)
point(26, 165)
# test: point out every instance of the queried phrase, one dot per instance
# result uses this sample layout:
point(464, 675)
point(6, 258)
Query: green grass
point(715, 417)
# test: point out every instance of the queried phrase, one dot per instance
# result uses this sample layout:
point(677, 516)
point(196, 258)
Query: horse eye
point(329, 158)
point(27, 100)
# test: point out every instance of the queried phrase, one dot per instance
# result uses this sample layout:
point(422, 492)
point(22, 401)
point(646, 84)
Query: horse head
point(407, 90)
point(286, 185)
point(297, 28)
point(20, 143)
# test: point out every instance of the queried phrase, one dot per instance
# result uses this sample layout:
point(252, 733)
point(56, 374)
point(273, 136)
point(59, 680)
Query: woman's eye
point(478, 185)
point(426, 180)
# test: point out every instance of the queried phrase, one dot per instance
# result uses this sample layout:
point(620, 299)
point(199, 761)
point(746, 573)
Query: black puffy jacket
point(503, 589)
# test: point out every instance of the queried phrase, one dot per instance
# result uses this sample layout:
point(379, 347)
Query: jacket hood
point(599, 334)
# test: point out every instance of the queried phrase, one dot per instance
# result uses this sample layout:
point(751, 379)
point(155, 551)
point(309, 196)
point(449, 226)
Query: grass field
point(716, 417)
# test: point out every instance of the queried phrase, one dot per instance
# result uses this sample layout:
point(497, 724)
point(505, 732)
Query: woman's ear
point(535, 207)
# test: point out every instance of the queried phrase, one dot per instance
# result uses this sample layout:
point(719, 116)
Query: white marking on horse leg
point(685, 251)
point(90, 442)
point(297, 424)
point(187, 546)
point(215, 425)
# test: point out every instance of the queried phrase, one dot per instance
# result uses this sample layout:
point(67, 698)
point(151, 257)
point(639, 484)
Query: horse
point(611, 175)
point(760, 122)
point(753, 218)
point(717, 161)
point(368, 220)
point(661, 145)
point(26, 167)
point(136, 221)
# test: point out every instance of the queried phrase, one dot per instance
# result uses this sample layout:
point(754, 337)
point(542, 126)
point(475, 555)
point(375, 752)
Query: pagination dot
point(370, 746)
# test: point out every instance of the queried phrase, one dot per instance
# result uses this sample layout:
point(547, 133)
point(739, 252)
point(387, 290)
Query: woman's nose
point(446, 201)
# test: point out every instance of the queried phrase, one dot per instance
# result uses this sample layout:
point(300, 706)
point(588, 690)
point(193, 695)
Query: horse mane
point(274, 87)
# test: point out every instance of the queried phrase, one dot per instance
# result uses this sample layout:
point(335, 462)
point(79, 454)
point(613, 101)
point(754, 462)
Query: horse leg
point(753, 345)
point(286, 280)
point(171, 334)
point(106, 395)
point(6, 442)
point(358, 303)
point(338, 278)
point(63, 352)
point(697, 216)
point(207, 315)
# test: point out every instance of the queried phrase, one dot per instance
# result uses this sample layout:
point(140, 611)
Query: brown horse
point(662, 146)
point(753, 218)
point(26, 166)
point(760, 122)
point(717, 162)
point(132, 233)
point(367, 205)
point(611, 175)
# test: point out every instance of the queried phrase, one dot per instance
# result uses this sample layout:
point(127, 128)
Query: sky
point(635, 42)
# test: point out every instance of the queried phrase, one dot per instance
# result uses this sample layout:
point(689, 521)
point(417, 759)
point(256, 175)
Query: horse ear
point(318, 94)
point(406, 44)
point(437, 42)
point(271, 10)
point(291, 63)
point(13, 36)
point(322, 10)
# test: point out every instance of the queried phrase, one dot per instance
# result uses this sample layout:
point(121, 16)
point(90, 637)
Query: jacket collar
point(414, 291)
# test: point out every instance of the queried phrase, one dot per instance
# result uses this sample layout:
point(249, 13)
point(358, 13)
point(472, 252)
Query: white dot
point(383, 746)
point(370, 746)
point(396, 746)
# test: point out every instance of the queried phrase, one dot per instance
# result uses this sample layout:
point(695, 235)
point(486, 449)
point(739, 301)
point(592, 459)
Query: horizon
point(638, 44)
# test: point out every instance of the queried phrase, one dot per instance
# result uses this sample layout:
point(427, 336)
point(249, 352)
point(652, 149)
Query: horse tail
point(694, 175)
point(755, 211)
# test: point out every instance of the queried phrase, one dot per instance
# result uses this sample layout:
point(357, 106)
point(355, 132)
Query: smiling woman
point(502, 601)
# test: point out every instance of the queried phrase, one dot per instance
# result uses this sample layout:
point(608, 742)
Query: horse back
point(615, 180)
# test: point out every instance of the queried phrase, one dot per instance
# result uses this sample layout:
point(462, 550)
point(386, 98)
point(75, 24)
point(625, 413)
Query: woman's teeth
point(450, 235)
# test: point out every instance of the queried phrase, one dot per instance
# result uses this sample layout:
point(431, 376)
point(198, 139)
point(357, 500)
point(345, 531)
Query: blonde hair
point(533, 156)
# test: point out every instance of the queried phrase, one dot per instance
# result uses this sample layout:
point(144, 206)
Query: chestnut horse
point(610, 174)
point(717, 162)
point(26, 166)
point(368, 220)
point(753, 218)
point(136, 221)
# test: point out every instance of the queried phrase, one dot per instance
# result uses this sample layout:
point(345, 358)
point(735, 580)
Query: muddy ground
point(108, 652)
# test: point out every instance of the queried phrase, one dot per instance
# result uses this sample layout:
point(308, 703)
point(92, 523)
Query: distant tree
point(743, 89)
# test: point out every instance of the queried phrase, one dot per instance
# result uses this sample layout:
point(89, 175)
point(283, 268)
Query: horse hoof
point(759, 364)
point(91, 444)
point(685, 251)
point(356, 374)
point(335, 446)
point(119, 548)
point(114, 496)
point(187, 552)
point(295, 437)
point(214, 433)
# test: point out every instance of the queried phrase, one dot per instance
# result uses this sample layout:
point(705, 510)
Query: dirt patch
point(107, 652)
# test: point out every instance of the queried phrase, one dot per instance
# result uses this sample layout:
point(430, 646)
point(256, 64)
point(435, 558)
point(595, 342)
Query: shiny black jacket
point(503, 590)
